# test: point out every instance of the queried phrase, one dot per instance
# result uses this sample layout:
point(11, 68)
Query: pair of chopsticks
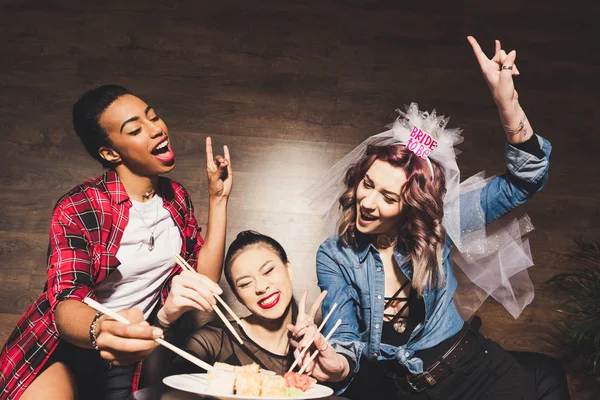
point(99, 307)
point(183, 264)
point(297, 360)
point(314, 354)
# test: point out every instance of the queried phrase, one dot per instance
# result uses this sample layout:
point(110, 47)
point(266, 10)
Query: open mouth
point(367, 217)
point(269, 301)
point(161, 148)
point(163, 152)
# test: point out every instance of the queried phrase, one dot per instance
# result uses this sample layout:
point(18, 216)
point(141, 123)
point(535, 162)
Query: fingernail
point(157, 332)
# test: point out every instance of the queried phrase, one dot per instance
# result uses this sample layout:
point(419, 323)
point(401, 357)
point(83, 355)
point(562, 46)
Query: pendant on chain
point(400, 326)
point(151, 244)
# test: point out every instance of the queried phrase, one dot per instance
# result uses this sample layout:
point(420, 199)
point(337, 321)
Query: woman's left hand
point(218, 170)
point(498, 73)
point(189, 290)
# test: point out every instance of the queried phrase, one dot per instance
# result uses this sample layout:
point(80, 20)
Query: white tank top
point(139, 278)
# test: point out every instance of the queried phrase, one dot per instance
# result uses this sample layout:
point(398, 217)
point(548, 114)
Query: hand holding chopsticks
point(329, 366)
point(99, 307)
point(314, 354)
point(189, 291)
point(313, 337)
point(186, 267)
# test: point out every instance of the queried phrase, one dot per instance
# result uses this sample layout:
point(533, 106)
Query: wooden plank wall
point(292, 86)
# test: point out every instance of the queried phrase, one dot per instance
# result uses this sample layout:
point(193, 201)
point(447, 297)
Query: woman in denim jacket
point(390, 270)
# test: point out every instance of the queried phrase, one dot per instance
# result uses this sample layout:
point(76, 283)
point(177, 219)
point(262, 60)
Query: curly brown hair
point(420, 231)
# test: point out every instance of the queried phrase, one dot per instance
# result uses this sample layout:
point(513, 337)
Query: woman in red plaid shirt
point(62, 348)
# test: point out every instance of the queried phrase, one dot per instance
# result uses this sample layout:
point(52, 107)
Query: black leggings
point(95, 380)
point(487, 372)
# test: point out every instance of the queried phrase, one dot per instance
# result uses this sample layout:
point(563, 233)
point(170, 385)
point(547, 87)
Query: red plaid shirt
point(85, 233)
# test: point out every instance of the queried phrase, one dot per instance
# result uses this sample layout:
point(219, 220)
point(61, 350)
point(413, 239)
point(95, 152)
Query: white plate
point(196, 383)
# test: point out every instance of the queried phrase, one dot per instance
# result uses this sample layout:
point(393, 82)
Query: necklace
point(151, 241)
point(385, 241)
point(145, 196)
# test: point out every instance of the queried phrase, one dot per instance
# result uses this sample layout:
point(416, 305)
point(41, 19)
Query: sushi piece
point(247, 369)
point(224, 367)
point(220, 382)
point(247, 384)
point(273, 386)
point(299, 381)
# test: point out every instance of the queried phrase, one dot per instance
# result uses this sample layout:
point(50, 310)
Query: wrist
point(510, 114)
point(217, 201)
point(94, 330)
point(163, 318)
point(343, 371)
point(162, 323)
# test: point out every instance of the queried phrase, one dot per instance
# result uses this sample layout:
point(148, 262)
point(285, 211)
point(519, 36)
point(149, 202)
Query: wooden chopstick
point(99, 307)
point(183, 264)
point(297, 360)
point(314, 354)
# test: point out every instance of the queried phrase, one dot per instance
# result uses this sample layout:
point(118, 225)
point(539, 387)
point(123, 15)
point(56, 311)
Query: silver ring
point(326, 346)
point(506, 67)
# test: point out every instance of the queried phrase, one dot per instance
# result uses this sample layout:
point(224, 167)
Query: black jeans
point(95, 380)
point(486, 372)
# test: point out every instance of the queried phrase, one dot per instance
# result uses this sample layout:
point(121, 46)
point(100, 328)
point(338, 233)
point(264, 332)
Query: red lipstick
point(269, 301)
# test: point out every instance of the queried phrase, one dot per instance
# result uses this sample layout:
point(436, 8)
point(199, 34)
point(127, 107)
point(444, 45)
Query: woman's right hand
point(189, 291)
point(304, 320)
point(124, 344)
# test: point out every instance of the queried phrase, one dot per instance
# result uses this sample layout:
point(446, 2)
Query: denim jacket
point(355, 279)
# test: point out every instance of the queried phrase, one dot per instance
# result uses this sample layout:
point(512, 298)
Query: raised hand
point(304, 320)
point(218, 171)
point(498, 73)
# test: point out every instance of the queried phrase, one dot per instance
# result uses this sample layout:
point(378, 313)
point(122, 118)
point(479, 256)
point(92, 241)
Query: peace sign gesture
point(218, 171)
point(305, 320)
point(498, 73)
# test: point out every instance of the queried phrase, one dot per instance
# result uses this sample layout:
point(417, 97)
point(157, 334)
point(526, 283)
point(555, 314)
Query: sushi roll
point(224, 367)
point(220, 382)
point(247, 384)
point(247, 369)
point(273, 386)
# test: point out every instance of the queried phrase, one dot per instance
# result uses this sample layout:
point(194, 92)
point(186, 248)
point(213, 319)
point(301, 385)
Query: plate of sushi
point(226, 381)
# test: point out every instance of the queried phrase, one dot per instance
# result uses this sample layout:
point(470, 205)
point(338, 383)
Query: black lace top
point(214, 343)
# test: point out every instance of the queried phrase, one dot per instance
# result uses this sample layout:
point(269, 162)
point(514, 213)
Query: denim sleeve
point(346, 339)
point(526, 175)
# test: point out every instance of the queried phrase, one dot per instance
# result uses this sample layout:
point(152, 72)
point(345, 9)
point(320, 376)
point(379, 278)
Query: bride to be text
point(421, 143)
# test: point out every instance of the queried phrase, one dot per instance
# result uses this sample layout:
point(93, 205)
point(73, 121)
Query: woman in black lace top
point(259, 273)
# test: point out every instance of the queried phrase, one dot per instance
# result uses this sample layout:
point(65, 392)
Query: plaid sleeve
point(194, 239)
point(193, 223)
point(70, 265)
